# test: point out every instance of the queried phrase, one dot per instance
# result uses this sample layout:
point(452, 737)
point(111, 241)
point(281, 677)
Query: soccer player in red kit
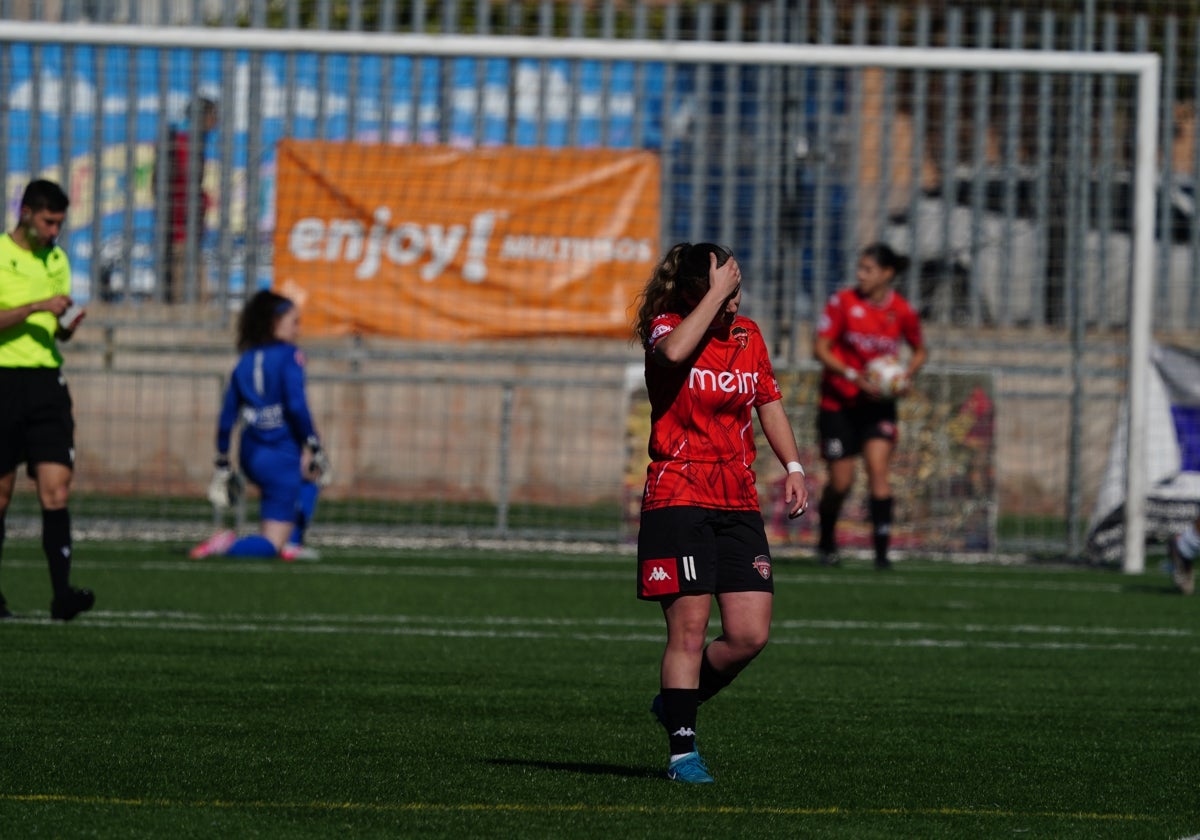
point(702, 533)
point(860, 324)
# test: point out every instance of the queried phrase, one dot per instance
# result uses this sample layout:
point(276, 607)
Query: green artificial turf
point(458, 693)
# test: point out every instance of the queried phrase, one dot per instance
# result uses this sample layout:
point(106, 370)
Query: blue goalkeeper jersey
point(266, 392)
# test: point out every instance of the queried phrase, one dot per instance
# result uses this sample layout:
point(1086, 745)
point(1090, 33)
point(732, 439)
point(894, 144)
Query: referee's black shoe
point(71, 603)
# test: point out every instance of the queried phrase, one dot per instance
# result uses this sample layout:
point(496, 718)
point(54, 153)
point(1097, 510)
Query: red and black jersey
point(859, 331)
point(701, 424)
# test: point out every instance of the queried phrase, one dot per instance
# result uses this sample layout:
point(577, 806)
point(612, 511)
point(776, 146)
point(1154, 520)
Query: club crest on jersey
point(762, 565)
point(741, 335)
point(657, 333)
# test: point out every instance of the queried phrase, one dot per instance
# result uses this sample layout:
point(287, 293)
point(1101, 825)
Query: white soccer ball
point(887, 373)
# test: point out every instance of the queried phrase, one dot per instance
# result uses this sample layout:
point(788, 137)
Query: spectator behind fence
point(37, 427)
point(179, 172)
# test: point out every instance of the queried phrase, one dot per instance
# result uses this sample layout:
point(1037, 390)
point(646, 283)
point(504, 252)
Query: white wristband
point(851, 374)
point(794, 467)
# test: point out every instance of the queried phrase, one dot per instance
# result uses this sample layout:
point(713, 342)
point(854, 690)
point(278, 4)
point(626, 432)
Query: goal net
point(466, 221)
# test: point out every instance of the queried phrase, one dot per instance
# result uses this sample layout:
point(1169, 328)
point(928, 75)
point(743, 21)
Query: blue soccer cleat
point(689, 768)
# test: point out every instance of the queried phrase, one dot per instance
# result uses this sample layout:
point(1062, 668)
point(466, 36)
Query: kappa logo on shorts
point(658, 576)
point(762, 565)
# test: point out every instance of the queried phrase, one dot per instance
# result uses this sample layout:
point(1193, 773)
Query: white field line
point(665, 811)
point(227, 566)
point(828, 633)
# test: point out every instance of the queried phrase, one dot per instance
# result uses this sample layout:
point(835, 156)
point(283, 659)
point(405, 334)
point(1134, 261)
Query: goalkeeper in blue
point(279, 450)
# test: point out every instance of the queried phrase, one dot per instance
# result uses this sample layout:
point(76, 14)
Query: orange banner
point(439, 243)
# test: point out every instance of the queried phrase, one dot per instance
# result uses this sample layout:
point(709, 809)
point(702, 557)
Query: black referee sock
point(881, 523)
point(711, 680)
point(679, 716)
point(56, 543)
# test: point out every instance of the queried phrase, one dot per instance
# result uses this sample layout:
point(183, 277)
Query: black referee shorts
point(36, 425)
point(692, 550)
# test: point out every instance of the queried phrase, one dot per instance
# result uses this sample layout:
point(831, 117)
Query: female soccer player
point(701, 528)
point(860, 324)
point(279, 447)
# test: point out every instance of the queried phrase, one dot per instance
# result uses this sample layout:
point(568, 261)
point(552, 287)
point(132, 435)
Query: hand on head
point(724, 279)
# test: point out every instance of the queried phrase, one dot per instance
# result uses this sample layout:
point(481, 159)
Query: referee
point(36, 425)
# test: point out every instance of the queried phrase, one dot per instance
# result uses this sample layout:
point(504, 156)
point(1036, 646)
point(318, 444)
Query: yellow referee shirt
point(27, 276)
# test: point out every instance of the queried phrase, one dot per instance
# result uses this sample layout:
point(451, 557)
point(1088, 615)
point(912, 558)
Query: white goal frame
point(1144, 67)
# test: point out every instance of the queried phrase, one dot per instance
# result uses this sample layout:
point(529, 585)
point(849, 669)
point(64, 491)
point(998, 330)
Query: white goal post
point(1143, 67)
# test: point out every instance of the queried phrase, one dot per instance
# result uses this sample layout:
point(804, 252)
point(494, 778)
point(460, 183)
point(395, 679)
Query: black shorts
point(36, 426)
point(843, 433)
point(691, 550)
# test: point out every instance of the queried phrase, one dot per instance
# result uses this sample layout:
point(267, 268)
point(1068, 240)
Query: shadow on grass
point(580, 767)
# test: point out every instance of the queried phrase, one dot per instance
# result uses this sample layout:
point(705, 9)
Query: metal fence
point(1010, 191)
point(1010, 226)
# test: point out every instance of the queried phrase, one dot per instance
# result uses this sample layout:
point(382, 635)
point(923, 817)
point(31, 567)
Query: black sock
point(829, 509)
point(679, 715)
point(2, 531)
point(56, 543)
point(711, 680)
point(881, 523)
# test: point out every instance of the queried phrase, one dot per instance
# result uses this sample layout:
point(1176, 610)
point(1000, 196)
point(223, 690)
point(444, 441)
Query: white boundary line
point(574, 808)
point(578, 569)
point(789, 633)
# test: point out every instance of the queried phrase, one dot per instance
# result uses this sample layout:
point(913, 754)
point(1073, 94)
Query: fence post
point(503, 490)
